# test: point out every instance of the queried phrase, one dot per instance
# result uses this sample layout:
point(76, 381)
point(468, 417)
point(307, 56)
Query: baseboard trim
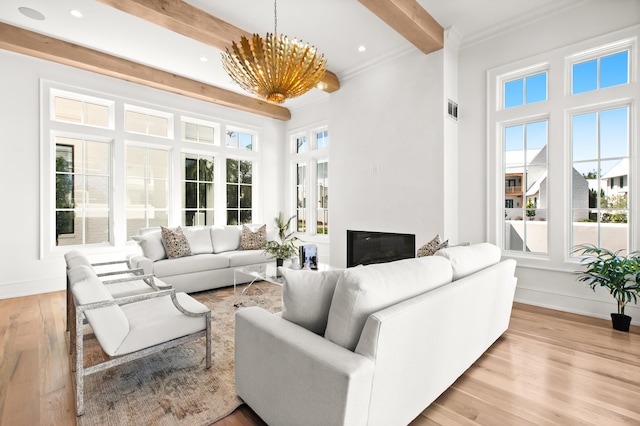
point(30, 288)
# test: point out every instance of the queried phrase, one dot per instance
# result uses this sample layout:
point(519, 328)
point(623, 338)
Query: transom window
point(599, 73)
point(240, 139)
point(147, 122)
point(90, 111)
point(200, 131)
point(525, 90)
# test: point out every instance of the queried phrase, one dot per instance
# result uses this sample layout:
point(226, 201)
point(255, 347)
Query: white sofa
point(397, 335)
point(215, 253)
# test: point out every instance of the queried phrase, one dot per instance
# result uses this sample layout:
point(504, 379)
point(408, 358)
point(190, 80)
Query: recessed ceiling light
point(31, 13)
point(361, 48)
point(76, 13)
point(203, 59)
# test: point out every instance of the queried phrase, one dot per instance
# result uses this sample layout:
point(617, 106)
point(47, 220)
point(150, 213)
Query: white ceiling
point(335, 27)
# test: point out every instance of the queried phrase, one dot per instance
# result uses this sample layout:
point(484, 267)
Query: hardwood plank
point(41, 46)
point(549, 368)
point(183, 18)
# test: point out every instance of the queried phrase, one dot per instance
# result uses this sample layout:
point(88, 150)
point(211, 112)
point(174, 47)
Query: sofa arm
point(291, 376)
point(141, 262)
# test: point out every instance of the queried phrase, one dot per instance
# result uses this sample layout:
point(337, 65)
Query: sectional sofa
point(372, 345)
point(215, 251)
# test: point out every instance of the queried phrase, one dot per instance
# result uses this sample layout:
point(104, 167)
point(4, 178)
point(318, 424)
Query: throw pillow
point(432, 246)
point(175, 243)
point(306, 297)
point(250, 240)
point(151, 245)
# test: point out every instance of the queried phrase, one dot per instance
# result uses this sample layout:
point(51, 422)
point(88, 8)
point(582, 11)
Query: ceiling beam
point(411, 21)
point(183, 18)
point(40, 46)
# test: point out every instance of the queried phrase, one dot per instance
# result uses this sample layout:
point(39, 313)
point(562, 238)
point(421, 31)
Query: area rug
point(172, 387)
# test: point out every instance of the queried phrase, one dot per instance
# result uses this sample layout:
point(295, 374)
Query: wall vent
point(452, 110)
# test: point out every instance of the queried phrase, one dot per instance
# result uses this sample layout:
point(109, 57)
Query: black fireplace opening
point(367, 247)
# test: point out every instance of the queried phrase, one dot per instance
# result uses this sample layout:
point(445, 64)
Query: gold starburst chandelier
point(274, 68)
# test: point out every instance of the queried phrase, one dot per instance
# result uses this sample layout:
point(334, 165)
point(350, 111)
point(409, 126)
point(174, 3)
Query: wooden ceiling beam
point(183, 18)
point(40, 46)
point(411, 21)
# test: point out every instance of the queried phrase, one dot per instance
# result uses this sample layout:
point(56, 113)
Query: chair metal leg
point(208, 340)
point(79, 362)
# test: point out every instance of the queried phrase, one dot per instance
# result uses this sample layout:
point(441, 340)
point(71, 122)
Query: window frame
point(560, 104)
point(309, 159)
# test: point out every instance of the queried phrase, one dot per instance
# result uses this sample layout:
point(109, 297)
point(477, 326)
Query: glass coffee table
point(262, 272)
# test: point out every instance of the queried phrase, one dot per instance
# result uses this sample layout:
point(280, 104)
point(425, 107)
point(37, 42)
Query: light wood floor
point(549, 368)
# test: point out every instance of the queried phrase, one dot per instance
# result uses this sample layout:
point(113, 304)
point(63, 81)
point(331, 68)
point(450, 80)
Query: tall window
point(311, 165)
point(600, 154)
point(147, 187)
point(322, 197)
point(198, 190)
point(239, 191)
point(564, 151)
point(301, 197)
point(83, 200)
point(525, 189)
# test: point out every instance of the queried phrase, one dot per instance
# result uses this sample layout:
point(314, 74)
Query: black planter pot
point(620, 322)
point(280, 262)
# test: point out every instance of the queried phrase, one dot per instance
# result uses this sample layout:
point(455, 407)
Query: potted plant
point(284, 247)
point(619, 274)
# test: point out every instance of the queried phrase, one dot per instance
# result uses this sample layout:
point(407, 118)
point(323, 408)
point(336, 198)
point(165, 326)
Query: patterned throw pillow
point(250, 240)
point(175, 243)
point(432, 246)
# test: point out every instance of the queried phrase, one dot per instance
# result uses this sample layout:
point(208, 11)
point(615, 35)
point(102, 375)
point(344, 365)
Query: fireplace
point(366, 247)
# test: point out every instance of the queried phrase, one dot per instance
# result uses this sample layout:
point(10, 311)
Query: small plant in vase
point(285, 247)
point(619, 274)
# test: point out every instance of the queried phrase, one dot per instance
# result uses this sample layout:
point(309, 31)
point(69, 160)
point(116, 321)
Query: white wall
point(387, 156)
point(551, 288)
point(21, 270)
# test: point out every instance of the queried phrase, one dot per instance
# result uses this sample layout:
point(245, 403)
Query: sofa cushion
point(199, 238)
point(306, 297)
point(466, 260)
point(225, 238)
point(253, 239)
point(151, 244)
point(157, 320)
point(432, 246)
point(175, 243)
point(189, 264)
point(363, 290)
point(246, 257)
